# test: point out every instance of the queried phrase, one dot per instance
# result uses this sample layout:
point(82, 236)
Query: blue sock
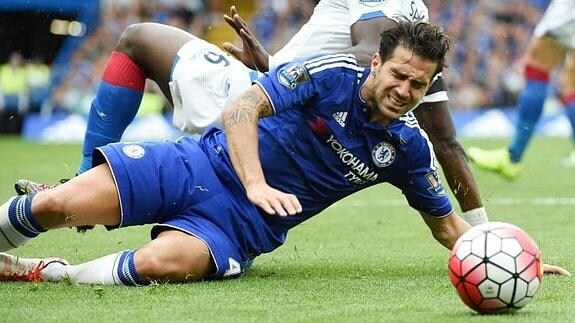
point(20, 216)
point(116, 103)
point(126, 269)
point(530, 109)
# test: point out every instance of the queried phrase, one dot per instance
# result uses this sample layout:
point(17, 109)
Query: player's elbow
point(447, 147)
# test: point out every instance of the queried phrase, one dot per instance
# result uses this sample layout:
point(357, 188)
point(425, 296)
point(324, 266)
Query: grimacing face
point(396, 85)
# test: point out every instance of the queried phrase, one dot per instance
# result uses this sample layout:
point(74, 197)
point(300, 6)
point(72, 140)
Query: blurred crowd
point(488, 38)
point(484, 68)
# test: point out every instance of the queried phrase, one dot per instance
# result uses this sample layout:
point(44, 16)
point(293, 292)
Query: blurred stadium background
point(53, 53)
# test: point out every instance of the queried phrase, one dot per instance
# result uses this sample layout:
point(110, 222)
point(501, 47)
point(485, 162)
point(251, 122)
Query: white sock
point(102, 271)
point(10, 236)
point(98, 271)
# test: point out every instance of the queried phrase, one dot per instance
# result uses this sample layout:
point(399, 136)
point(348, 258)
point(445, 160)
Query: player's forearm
point(446, 230)
point(435, 119)
point(240, 122)
point(244, 155)
point(458, 175)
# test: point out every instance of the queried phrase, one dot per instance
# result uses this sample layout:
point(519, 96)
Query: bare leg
point(174, 256)
point(144, 51)
point(567, 91)
point(88, 199)
point(154, 47)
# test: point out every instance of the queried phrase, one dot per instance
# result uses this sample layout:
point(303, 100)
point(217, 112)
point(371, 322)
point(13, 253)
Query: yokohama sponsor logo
point(359, 172)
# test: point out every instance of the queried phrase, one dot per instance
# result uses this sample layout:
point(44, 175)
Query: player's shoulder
point(410, 133)
point(316, 67)
point(330, 62)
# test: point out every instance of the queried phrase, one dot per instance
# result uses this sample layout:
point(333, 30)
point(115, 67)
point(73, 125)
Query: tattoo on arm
point(249, 108)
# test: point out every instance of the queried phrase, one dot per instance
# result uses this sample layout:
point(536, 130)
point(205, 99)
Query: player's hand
point(253, 54)
point(272, 201)
point(555, 270)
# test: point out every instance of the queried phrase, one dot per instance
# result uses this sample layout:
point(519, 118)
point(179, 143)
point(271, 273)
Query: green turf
point(368, 258)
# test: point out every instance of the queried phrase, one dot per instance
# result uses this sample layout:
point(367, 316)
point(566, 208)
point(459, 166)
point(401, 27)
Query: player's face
point(397, 84)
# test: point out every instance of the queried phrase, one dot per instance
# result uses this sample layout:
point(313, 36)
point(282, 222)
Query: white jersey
point(558, 22)
point(206, 79)
point(328, 29)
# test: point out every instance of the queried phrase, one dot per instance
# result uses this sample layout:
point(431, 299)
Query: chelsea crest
point(383, 154)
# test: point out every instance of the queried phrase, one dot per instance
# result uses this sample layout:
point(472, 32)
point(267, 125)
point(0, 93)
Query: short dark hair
point(425, 40)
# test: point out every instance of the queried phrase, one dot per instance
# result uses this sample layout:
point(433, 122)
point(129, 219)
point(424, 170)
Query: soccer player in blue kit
point(306, 135)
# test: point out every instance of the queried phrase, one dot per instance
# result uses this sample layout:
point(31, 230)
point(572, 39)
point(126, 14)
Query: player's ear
point(375, 62)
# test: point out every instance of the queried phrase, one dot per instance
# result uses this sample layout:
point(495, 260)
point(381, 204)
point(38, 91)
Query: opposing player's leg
point(145, 50)
point(567, 91)
point(543, 54)
point(495, 160)
point(88, 199)
point(202, 81)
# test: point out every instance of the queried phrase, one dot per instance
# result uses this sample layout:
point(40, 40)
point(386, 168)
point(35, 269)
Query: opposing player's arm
point(446, 230)
point(240, 121)
point(435, 119)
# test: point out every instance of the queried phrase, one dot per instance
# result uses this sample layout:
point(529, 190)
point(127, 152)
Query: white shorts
point(558, 22)
point(205, 80)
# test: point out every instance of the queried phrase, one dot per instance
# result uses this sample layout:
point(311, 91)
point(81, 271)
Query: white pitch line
point(546, 201)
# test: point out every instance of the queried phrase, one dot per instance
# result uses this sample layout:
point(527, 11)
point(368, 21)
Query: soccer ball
point(496, 268)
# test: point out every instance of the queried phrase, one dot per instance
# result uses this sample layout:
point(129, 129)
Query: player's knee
point(131, 38)
point(446, 146)
point(48, 202)
point(149, 264)
point(159, 264)
point(154, 265)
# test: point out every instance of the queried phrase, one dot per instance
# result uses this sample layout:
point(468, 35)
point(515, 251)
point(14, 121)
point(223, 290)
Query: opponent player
point(199, 87)
point(553, 43)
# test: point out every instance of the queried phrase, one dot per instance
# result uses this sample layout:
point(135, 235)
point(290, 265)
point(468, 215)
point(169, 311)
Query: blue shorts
point(174, 185)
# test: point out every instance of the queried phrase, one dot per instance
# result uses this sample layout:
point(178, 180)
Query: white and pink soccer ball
point(496, 268)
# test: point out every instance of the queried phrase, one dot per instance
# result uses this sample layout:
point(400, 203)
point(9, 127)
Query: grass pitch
point(369, 258)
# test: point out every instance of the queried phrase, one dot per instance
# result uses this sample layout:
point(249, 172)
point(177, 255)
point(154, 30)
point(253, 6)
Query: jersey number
point(216, 58)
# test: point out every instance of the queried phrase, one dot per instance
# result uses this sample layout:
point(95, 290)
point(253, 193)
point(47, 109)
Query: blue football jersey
point(321, 147)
